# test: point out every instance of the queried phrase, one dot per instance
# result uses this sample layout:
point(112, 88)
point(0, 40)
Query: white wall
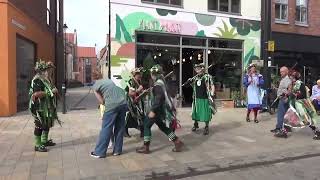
point(250, 9)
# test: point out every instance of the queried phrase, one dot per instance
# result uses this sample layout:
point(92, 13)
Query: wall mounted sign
point(162, 26)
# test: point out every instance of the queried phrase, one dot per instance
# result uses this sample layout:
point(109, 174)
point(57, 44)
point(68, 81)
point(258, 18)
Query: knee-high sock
point(44, 137)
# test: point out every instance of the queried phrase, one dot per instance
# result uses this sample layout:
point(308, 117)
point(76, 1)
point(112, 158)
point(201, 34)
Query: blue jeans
point(113, 120)
point(282, 109)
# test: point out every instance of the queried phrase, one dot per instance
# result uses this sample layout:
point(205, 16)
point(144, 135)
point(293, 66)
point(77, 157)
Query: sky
point(90, 19)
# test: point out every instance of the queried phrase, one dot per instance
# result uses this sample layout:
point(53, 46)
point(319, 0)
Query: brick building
point(29, 30)
point(296, 31)
point(86, 64)
point(71, 48)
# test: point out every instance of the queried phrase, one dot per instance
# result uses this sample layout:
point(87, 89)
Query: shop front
point(144, 36)
point(303, 56)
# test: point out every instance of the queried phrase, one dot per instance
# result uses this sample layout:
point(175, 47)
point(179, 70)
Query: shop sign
point(161, 26)
point(258, 62)
point(18, 24)
point(271, 46)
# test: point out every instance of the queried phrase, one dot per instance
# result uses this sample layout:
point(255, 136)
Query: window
point(281, 10)
point(302, 11)
point(230, 6)
point(88, 62)
point(165, 2)
point(48, 12)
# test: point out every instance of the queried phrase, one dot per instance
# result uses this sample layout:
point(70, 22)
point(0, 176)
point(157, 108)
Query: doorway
point(25, 54)
point(190, 57)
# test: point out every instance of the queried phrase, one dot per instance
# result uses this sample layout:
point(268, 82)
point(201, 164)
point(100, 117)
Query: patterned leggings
point(148, 123)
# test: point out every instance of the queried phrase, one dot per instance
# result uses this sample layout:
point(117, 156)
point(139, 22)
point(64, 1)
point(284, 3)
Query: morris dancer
point(135, 115)
point(160, 104)
point(203, 91)
point(42, 105)
point(302, 111)
point(253, 81)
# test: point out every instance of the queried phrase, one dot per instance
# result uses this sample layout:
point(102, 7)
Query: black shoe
point(49, 143)
point(41, 148)
point(316, 135)
point(206, 131)
point(248, 119)
point(288, 128)
point(195, 127)
point(256, 121)
point(275, 130)
point(281, 134)
point(92, 154)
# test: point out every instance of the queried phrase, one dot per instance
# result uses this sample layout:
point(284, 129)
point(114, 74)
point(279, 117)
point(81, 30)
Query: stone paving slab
point(231, 142)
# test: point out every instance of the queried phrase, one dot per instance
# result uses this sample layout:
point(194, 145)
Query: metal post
point(64, 85)
point(109, 43)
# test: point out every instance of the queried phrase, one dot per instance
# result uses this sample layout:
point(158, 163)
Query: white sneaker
point(110, 145)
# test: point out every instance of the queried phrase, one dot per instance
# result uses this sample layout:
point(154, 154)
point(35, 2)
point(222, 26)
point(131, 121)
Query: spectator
point(282, 93)
point(114, 100)
point(316, 96)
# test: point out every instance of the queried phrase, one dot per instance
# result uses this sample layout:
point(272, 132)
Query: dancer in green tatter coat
point(203, 92)
point(42, 105)
point(161, 108)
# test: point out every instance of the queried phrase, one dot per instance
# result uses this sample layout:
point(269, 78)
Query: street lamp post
point(109, 43)
point(64, 85)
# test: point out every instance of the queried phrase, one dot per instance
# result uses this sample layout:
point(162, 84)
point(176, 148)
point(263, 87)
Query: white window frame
point(301, 5)
point(229, 7)
point(48, 12)
point(163, 4)
point(282, 3)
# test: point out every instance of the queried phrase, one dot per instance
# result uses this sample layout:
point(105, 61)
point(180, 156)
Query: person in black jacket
point(160, 104)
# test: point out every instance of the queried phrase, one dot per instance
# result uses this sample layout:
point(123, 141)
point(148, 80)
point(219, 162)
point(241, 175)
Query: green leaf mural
point(120, 27)
point(248, 57)
point(137, 21)
point(201, 33)
point(226, 33)
point(205, 20)
point(165, 12)
point(116, 61)
point(245, 26)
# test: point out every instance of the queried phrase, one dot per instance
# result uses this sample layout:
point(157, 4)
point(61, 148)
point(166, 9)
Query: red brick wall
point(313, 19)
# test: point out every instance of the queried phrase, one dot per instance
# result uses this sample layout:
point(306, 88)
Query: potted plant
point(236, 97)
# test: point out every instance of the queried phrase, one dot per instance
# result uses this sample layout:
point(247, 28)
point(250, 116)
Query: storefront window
point(193, 42)
point(225, 44)
point(226, 70)
point(281, 10)
point(158, 39)
point(167, 57)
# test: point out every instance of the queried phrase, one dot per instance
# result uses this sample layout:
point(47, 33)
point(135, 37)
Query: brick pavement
point(231, 143)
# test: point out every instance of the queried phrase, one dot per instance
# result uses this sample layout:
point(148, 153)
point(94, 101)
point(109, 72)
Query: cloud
point(90, 18)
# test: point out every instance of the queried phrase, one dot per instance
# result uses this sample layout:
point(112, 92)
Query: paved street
point(234, 149)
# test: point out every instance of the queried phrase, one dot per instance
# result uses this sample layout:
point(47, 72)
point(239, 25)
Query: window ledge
point(223, 12)
point(301, 24)
point(277, 21)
